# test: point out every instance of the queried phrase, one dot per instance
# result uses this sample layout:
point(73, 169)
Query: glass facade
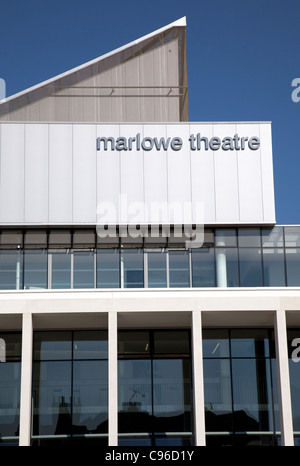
point(70, 388)
point(10, 384)
point(241, 406)
point(293, 336)
point(235, 257)
point(155, 388)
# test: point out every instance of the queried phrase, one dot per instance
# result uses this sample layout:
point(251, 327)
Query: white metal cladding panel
point(203, 175)
point(108, 175)
point(267, 173)
point(60, 173)
point(155, 173)
point(249, 177)
point(53, 173)
point(36, 173)
point(12, 173)
point(179, 175)
point(131, 175)
point(226, 178)
point(84, 173)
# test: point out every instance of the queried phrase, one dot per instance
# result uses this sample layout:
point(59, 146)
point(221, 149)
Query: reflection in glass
point(251, 383)
point(133, 343)
point(294, 370)
point(132, 268)
point(179, 269)
point(203, 267)
point(69, 384)
point(249, 343)
point(157, 269)
point(293, 266)
point(10, 382)
point(249, 237)
point(61, 270)
point(171, 395)
point(11, 270)
point(273, 265)
point(90, 397)
point(171, 342)
point(52, 398)
point(272, 237)
point(35, 269)
point(217, 395)
point(52, 345)
point(292, 236)
point(225, 237)
point(134, 396)
point(215, 343)
point(90, 344)
point(250, 267)
point(83, 269)
point(108, 268)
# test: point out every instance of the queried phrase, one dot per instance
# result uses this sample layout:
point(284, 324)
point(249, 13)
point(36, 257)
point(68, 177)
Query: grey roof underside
point(143, 81)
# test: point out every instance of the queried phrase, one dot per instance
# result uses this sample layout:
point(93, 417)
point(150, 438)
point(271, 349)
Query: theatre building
point(147, 296)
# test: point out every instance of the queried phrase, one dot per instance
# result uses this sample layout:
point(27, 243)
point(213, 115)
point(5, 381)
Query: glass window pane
point(203, 267)
point(11, 270)
point(249, 237)
point(52, 345)
point(132, 268)
point(227, 267)
point(10, 382)
point(90, 344)
point(134, 396)
point(249, 343)
point(90, 397)
point(294, 370)
point(273, 265)
point(217, 395)
point(272, 237)
point(35, 269)
point(250, 267)
point(52, 398)
point(225, 237)
point(83, 269)
point(108, 268)
point(157, 269)
point(10, 346)
point(172, 395)
point(215, 343)
point(179, 269)
point(292, 236)
point(251, 384)
point(292, 266)
point(61, 270)
point(133, 343)
point(171, 342)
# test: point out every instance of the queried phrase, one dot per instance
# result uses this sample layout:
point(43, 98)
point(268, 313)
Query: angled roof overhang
point(75, 78)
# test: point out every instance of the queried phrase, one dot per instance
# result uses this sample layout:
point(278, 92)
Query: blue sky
point(242, 56)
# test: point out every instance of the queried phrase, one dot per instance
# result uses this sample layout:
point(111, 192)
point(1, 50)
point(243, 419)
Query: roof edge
point(178, 23)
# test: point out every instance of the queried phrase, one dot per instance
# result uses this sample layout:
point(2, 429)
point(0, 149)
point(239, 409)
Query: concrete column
point(199, 411)
point(112, 379)
point(284, 393)
point(26, 380)
point(221, 267)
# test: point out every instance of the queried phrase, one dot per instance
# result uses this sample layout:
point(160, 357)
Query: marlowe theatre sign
point(196, 142)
